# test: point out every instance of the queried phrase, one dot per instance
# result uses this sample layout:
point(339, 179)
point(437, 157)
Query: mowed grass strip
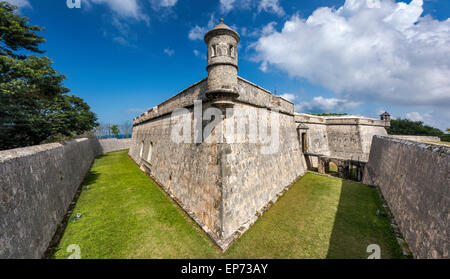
point(126, 215)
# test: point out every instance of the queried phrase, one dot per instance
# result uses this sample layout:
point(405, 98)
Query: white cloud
point(414, 116)
point(198, 32)
point(157, 4)
point(199, 54)
point(122, 41)
point(226, 5)
point(288, 96)
point(375, 50)
point(123, 8)
point(327, 105)
point(271, 6)
point(169, 51)
point(19, 3)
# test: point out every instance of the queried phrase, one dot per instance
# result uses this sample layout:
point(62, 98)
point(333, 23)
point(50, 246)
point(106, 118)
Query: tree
point(34, 105)
point(415, 128)
point(16, 33)
point(115, 130)
point(126, 128)
point(329, 114)
point(448, 130)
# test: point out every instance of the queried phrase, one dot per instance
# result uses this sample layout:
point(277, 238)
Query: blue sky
point(356, 56)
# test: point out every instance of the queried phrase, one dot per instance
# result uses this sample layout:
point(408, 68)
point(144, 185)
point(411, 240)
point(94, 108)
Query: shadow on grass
point(357, 225)
point(53, 245)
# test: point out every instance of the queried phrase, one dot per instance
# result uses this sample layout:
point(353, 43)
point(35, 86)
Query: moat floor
point(125, 215)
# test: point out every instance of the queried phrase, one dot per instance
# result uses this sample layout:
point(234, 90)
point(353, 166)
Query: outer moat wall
point(37, 185)
point(414, 178)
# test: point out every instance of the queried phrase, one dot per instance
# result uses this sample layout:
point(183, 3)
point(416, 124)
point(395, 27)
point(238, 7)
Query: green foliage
point(414, 128)
point(445, 137)
point(329, 114)
point(16, 33)
point(34, 105)
point(115, 130)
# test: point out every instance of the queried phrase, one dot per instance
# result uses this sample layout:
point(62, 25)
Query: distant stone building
point(225, 184)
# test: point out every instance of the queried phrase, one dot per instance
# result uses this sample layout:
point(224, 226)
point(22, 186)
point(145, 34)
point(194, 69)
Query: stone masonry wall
point(251, 179)
point(416, 138)
point(37, 184)
point(414, 179)
point(340, 137)
point(221, 186)
point(110, 145)
point(188, 171)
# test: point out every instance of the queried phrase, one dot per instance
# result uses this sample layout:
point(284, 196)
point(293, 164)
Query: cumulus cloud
point(376, 50)
point(321, 104)
point(123, 8)
point(19, 3)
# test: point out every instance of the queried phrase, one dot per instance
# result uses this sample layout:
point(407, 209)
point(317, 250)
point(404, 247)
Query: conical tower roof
point(221, 29)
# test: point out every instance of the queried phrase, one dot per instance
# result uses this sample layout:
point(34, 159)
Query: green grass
point(126, 215)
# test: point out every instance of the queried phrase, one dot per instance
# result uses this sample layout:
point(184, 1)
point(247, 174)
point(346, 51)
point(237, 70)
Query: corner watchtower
point(386, 117)
point(222, 65)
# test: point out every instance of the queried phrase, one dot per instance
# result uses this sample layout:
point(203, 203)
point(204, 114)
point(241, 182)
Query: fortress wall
point(249, 93)
point(340, 137)
point(366, 134)
point(317, 139)
point(344, 141)
point(110, 145)
point(252, 179)
point(414, 179)
point(221, 186)
point(185, 98)
point(189, 172)
point(415, 138)
point(252, 94)
point(37, 184)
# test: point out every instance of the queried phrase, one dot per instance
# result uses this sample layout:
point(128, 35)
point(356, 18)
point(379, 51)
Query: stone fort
point(225, 185)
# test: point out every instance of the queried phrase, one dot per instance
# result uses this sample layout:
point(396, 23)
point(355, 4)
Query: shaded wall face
point(344, 141)
point(414, 179)
point(188, 171)
point(37, 185)
point(252, 179)
point(317, 139)
point(366, 134)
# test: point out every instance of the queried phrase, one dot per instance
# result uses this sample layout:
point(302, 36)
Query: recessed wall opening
point(150, 150)
point(303, 138)
point(142, 149)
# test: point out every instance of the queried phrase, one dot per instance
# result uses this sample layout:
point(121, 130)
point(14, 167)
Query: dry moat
point(124, 214)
